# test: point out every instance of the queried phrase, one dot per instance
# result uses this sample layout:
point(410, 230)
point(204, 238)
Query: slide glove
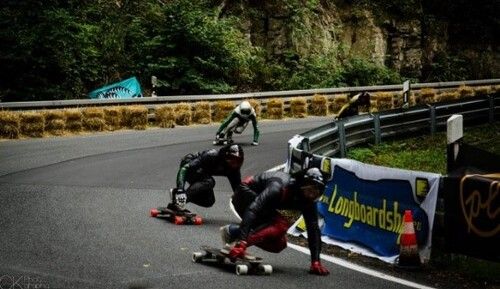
point(238, 251)
point(318, 269)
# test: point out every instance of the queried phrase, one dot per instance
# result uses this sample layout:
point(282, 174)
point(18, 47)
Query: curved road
point(74, 213)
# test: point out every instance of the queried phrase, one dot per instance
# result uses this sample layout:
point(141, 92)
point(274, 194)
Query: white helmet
point(245, 108)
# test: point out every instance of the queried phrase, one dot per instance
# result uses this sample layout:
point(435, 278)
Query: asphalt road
point(74, 213)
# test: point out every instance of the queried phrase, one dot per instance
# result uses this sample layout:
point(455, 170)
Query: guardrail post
point(342, 140)
point(492, 109)
point(305, 145)
point(376, 126)
point(433, 119)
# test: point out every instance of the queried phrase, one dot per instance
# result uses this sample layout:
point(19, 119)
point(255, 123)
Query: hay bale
point(93, 119)
point(464, 91)
point(183, 115)
point(91, 112)
point(275, 108)
point(165, 116)
point(383, 100)
point(222, 109)
point(9, 124)
point(426, 95)
point(298, 107)
point(256, 106)
point(74, 120)
point(113, 117)
point(55, 122)
point(319, 105)
point(32, 124)
point(482, 90)
point(447, 96)
point(135, 117)
point(336, 102)
point(202, 112)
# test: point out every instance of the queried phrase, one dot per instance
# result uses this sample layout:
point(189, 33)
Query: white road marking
point(361, 269)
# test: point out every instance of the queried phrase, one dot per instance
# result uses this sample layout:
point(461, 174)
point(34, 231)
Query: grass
point(425, 153)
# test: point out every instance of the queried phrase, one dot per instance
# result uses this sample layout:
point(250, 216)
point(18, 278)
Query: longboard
point(178, 218)
point(243, 266)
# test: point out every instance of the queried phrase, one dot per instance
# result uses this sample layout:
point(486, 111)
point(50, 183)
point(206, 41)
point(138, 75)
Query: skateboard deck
point(243, 266)
point(222, 141)
point(178, 218)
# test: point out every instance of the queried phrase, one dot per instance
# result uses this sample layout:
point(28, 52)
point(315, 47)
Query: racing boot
point(178, 202)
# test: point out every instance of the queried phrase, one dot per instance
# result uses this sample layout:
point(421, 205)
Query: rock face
point(405, 45)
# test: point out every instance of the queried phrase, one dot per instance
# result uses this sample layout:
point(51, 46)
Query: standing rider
point(236, 122)
point(258, 201)
point(198, 170)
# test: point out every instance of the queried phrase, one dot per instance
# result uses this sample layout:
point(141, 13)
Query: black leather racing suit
point(262, 195)
point(197, 169)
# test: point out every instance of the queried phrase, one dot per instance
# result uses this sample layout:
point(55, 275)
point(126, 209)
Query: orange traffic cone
point(409, 257)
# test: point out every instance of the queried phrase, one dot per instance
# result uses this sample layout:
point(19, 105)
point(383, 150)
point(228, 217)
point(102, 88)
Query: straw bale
point(464, 91)
point(32, 124)
point(9, 124)
point(298, 107)
point(202, 112)
point(275, 108)
point(165, 116)
point(74, 120)
point(222, 109)
point(55, 122)
point(319, 105)
point(183, 115)
point(336, 102)
point(256, 106)
point(113, 117)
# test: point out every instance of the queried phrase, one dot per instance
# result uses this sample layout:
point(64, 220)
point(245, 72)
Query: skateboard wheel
point(197, 256)
point(241, 269)
point(198, 220)
point(266, 269)
point(178, 220)
point(154, 212)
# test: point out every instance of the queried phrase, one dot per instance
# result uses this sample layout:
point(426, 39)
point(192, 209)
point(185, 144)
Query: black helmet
point(313, 176)
point(233, 155)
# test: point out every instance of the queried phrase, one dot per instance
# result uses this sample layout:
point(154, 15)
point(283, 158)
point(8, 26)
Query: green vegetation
point(425, 153)
point(64, 49)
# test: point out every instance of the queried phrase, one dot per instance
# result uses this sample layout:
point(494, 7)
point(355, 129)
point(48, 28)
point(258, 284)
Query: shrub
point(298, 107)
point(32, 124)
point(275, 108)
point(165, 116)
point(9, 124)
point(202, 112)
point(318, 105)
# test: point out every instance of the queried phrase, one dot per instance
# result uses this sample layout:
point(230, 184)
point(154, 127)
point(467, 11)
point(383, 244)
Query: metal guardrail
point(151, 102)
point(333, 139)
